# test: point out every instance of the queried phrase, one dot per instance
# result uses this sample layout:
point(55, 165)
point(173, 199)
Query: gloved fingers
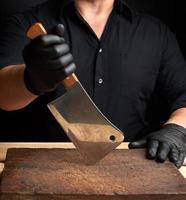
point(69, 69)
point(53, 52)
point(174, 155)
point(46, 41)
point(152, 149)
point(180, 161)
point(138, 144)
point(58, 30)
point(163, 152)
point(60, 76)
point(61, 63)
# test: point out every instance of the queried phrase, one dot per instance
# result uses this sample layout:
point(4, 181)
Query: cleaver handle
point(36, 30)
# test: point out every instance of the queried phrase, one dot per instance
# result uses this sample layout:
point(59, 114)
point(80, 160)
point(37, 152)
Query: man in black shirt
point(121, 58)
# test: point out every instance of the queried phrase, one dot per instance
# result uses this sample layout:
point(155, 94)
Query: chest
point(123, 57)
point(96, 23)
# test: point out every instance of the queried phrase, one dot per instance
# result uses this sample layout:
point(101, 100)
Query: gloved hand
point(168, 142)
point(48, 61)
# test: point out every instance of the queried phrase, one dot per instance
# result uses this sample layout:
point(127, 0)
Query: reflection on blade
point(90, 131)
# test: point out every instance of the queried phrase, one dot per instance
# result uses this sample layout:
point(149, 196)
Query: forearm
point(14, 95)
point(178, 117)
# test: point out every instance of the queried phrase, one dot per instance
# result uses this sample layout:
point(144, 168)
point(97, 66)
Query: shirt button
point(100, 81)
point(100, 50)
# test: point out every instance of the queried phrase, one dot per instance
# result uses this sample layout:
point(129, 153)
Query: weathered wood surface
point(5, 146)
point(43, 174)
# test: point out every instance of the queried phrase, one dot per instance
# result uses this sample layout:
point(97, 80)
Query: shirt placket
point(99, 78)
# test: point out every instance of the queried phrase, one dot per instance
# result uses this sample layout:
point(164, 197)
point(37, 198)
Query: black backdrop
point(171, 12)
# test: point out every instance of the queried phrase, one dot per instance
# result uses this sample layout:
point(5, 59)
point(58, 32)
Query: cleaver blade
point(91, 132)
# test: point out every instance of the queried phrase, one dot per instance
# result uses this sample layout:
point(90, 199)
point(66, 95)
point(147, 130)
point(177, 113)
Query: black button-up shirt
point(136, 61)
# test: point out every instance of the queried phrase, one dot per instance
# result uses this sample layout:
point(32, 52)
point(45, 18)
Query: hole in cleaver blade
point(91, 132)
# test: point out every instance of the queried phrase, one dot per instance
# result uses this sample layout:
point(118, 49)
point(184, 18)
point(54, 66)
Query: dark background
point(171, 12)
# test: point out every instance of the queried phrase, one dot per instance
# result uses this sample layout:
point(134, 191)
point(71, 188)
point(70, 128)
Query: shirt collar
point(122, 8)
point(119, 5)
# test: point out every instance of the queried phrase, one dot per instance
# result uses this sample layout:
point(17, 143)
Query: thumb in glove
point(138, 144)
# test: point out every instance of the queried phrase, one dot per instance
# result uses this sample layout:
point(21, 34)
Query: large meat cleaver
point(91, 132)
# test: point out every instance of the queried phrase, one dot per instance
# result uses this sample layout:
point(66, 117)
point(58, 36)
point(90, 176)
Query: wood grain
point(60, 174)
point(36, 31)
point(70, 81)
point(5, 146)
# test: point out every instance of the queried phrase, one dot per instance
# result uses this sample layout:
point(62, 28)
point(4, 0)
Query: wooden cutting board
point(59, 174)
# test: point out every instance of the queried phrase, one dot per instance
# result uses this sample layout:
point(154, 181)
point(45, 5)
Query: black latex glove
point(169, 142)
point(48, 61)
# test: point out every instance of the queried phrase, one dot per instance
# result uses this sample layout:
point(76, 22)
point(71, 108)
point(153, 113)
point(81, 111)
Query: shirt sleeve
point(13, 40)
point(172, 77)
